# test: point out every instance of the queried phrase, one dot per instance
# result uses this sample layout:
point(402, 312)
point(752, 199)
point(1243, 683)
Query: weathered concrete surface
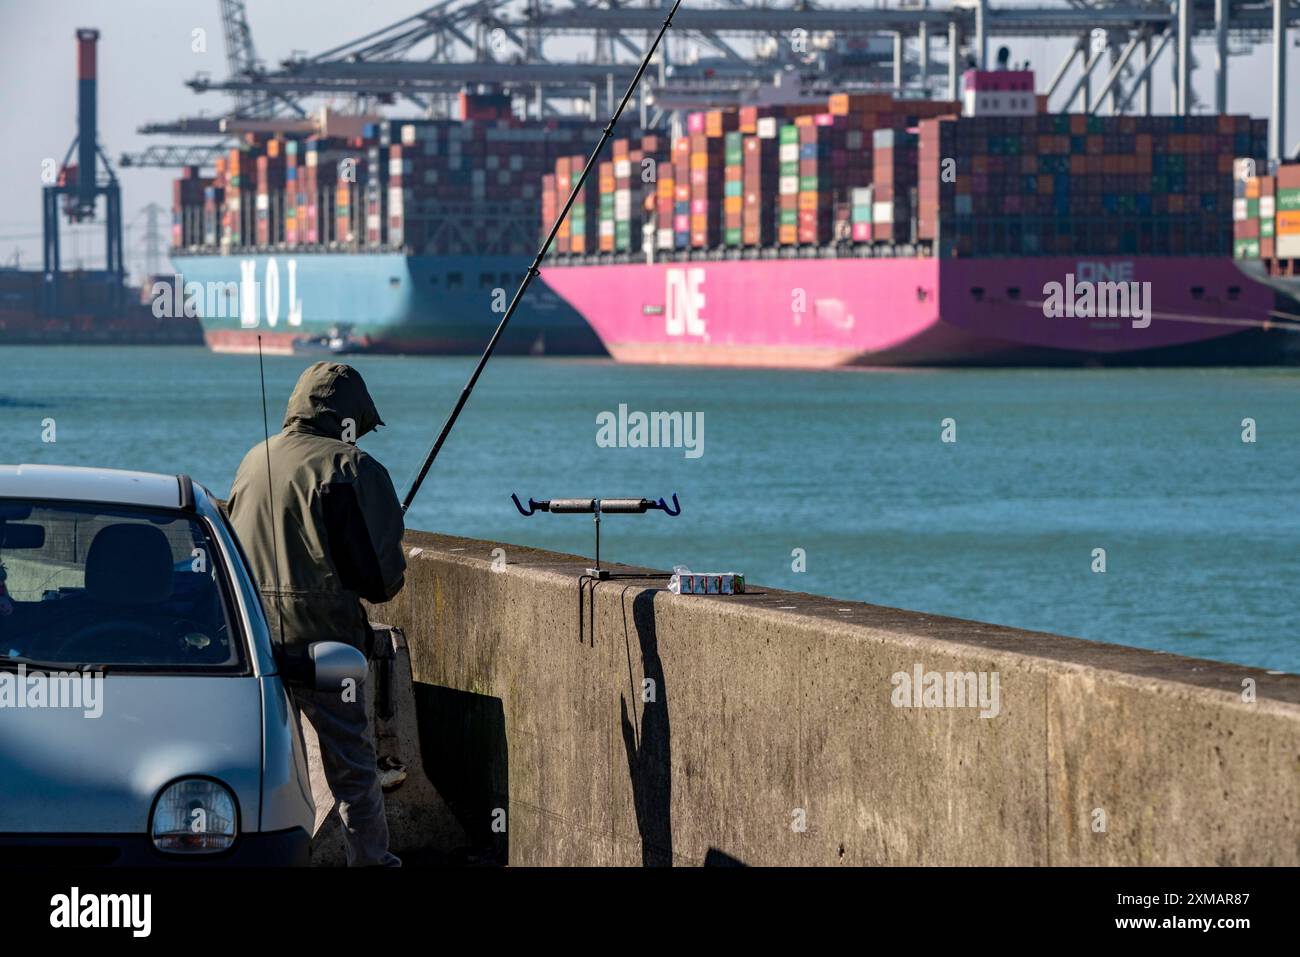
point(774, 709)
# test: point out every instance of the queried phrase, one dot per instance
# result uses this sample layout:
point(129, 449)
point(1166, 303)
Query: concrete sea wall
point(576, 722)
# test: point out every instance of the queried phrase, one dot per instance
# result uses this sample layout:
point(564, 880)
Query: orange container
point(1288, 222)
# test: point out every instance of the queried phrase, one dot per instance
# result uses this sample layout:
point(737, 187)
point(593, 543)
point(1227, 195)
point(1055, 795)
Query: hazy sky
point(145, 55)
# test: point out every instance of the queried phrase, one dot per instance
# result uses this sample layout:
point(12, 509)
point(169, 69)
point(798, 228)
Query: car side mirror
point(331, 663)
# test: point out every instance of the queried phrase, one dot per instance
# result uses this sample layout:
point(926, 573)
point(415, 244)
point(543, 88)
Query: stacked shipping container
point(786, 175)
point(1054, 184)
point(625, 199)
point(1266, 215)
point(861, 169)
point(189, 198)
point(424, 186)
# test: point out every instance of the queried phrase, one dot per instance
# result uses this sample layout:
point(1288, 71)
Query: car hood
point(63, 771)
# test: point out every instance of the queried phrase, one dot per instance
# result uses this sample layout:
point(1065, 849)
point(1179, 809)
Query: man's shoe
point(391, 773)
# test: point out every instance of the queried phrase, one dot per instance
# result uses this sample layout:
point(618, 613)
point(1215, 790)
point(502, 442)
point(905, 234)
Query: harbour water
point(844, 474)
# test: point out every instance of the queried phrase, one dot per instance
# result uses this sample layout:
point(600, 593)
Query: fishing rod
point(537, 261)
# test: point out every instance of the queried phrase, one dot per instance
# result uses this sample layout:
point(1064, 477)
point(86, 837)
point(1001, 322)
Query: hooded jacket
point(334, 535)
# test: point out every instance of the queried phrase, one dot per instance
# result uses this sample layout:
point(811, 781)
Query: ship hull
point(821, 313)
point(384, 302)
point(1287, 286)
point(86, 308)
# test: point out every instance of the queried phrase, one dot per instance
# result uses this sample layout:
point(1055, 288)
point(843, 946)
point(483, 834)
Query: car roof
point(76, 484)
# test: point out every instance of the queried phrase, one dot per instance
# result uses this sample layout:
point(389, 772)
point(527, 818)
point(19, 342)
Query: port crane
point(79, 187)
point(723, 51)
point(241, 61)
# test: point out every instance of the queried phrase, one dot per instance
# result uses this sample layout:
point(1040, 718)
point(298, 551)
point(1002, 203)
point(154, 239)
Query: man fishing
point(322, 530)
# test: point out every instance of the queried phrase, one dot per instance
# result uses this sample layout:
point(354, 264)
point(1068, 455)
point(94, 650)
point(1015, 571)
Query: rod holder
point(594, 507)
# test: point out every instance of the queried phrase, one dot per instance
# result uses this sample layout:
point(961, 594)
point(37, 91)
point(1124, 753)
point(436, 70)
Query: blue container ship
point(381, 302)
point(378, 235)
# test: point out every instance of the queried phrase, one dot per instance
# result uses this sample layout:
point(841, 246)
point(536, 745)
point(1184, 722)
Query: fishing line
point(270, 491)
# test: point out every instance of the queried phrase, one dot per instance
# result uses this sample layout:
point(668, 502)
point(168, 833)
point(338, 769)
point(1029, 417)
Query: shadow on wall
point(463, 746)
point(647, 739)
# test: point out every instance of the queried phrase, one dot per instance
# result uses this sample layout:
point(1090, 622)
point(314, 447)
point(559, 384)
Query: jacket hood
point(326, 395)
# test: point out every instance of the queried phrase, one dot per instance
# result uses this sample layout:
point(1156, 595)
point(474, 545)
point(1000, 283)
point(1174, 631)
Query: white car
point(143, 718)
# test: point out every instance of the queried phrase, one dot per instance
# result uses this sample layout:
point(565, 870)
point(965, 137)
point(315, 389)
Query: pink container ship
point(820, 313)
point(868, 230)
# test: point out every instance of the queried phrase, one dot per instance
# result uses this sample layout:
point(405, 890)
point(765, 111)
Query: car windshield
point(93, 584)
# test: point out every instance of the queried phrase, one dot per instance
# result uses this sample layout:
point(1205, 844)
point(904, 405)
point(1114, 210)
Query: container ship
point(1266, 231)
point(867, 230)
point(378, 235)
point(92, 308)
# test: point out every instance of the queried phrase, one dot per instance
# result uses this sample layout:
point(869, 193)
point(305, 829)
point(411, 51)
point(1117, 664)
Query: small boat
point(338, 342)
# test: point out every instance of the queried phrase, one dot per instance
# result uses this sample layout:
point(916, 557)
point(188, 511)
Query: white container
point(1287, 246)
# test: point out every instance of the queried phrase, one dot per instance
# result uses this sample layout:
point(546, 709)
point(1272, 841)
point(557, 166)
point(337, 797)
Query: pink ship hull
point(817, 313)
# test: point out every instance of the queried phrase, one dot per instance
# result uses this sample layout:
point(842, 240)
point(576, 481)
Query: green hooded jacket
point(334, 535)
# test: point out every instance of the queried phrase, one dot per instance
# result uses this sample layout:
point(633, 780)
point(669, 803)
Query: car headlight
point(194, 816)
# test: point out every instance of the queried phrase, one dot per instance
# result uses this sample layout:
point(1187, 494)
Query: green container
point(788, 134)
point(734, 157)
point(789, 217)
point(733, 188)
point(623, 236)
point(1266, 228)
point(1245, 249)
point(1288, 199)
point(861, 214)
point(1252, 209)
point(789, 169)
point(808, 184)
point(731, 237)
